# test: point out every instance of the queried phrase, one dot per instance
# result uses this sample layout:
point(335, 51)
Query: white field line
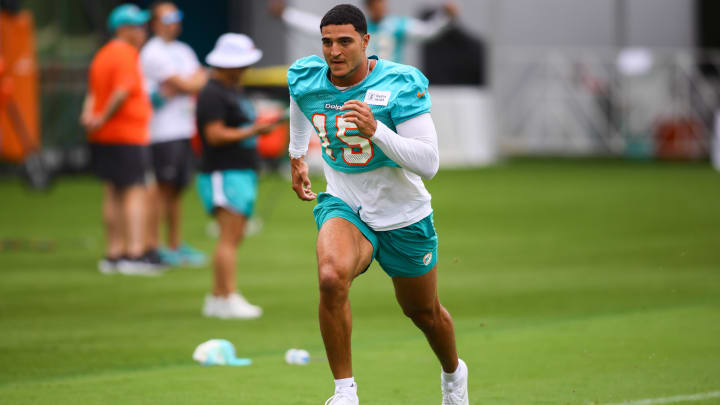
point(670, 400)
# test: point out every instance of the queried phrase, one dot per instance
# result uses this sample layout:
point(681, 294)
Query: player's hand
point(361, 115)
point(300, 180)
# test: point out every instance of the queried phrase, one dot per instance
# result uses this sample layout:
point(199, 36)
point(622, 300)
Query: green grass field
point(570, 282)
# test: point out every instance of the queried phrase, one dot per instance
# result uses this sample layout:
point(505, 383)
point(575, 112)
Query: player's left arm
point(416, 147)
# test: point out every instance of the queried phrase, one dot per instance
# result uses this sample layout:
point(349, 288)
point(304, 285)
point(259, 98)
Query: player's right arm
point(300, 131)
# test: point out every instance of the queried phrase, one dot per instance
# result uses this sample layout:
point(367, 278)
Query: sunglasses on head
point(172, 17)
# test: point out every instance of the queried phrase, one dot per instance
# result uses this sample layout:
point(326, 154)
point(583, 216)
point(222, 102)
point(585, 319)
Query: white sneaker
point(108, 266)
point(210, 306)
point(137, 267)
point(343, 397)
point(238, 301)
point(455, 392)
point(233, 306)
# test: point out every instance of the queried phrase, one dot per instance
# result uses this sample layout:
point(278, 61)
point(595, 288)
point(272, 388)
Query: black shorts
point(121, 165)
point(173, 162)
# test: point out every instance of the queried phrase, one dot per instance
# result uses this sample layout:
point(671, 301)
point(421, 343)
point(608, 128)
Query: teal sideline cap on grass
point(218, 352)
point(127, 14)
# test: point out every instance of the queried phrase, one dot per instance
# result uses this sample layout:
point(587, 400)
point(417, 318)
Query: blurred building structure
point(602, 78)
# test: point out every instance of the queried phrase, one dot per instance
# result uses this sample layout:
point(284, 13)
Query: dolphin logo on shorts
point(427, 258)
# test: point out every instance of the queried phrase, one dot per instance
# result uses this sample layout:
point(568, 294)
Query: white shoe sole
point(137, 270)
point(107, 269)
point(223, 315)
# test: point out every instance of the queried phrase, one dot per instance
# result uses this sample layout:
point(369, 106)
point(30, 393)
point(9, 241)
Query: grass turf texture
point(570, 282)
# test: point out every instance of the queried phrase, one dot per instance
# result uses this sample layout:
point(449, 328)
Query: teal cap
point(218, 352)
point(127, 14)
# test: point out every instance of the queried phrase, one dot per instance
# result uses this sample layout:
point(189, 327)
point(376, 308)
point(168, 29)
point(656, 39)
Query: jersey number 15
point(359, 150)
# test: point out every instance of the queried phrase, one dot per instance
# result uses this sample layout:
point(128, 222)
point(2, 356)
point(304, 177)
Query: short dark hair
point(345, 14)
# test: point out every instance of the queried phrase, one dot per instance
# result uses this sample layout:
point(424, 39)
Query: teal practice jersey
point(394, 92)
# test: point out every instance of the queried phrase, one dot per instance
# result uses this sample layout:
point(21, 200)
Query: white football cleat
point(455, 392)
point(343, 398)
point(234, 306)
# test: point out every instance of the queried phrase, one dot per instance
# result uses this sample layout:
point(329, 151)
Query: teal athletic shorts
point(405, 252)
point(235, 190)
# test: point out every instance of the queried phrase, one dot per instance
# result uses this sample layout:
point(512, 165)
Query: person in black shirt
point(227, 182)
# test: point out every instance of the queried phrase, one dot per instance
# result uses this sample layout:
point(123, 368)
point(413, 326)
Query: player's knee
point(333, 277)
point(332, 285)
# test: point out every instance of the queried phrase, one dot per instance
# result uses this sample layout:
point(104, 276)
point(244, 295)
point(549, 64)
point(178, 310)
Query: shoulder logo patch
point(421, 94)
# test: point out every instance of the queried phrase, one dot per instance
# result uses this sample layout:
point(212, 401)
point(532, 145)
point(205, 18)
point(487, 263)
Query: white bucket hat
point(233, 51)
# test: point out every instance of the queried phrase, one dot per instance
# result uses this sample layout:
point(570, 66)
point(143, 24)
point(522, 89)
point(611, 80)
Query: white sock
point(346, 384)
point(457, 374)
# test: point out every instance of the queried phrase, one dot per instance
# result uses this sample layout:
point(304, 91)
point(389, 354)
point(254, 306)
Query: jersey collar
point(332, 87)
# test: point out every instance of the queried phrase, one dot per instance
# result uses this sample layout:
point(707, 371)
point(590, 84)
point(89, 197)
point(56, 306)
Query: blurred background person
point(116, 115)
point(227, 181)
point(174, 76)
point(388, 34)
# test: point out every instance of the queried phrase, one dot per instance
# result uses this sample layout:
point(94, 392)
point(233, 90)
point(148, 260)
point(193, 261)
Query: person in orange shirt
point(116, 115)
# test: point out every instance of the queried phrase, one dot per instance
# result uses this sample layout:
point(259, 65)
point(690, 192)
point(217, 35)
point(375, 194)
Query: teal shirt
point(394, 92)
point(388, 37)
